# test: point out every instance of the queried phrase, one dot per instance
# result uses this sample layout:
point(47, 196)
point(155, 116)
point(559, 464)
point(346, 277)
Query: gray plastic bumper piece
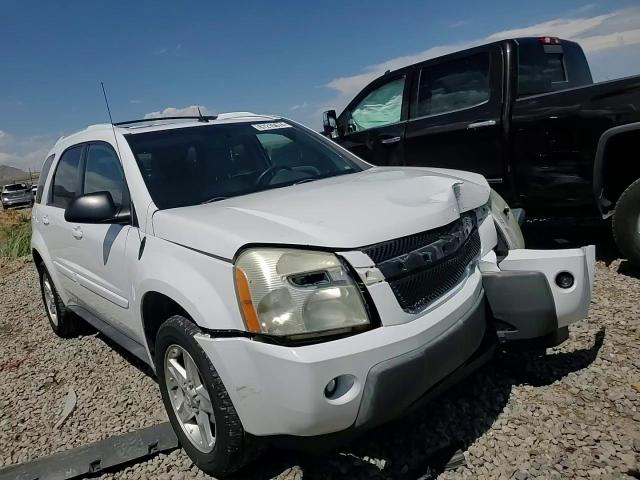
point(394, 385)
point(96, 457)
point(522, 304)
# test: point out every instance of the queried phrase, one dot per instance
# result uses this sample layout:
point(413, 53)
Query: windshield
point(194, 165)
point(15, 187)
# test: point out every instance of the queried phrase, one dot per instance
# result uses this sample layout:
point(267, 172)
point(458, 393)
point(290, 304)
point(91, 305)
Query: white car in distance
point(279, 285)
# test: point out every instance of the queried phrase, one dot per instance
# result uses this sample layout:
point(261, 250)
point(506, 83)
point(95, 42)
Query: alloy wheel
point(189, 398)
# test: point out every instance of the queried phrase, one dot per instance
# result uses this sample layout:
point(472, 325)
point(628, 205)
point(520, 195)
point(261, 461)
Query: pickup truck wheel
point(626, 223)
point(197, 402)
point(62, 321)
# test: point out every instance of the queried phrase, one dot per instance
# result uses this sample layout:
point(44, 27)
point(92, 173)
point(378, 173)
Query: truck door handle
point(481, 124)
point(389, 140)
point(77, 233)
point(45, 219)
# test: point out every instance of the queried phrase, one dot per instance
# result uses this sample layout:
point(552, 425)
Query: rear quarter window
point(46, 167)
point(65, 179)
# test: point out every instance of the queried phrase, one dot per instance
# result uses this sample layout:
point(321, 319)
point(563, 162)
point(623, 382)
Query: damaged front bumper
point(381, 373)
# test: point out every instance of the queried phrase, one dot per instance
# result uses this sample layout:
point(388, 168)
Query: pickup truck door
point(373, 124)
point(455, 115)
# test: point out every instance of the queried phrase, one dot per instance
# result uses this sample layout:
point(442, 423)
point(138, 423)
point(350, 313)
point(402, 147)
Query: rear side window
point(43, 177)
point(453, 85)
point(65, 179)
point(103, 173)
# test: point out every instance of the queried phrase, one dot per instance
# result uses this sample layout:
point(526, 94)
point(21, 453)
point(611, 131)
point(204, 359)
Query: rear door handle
point(45, 219)
point(390, 140)
point(481, 124)
point(77, 233)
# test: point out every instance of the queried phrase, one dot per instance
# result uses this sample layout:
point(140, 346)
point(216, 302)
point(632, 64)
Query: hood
point(347, 211)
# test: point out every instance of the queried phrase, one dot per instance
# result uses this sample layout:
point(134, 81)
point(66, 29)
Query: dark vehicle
point(16, 194)
point(524, 113)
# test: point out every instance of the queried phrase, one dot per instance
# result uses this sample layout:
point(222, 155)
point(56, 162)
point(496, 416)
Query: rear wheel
point(63, 322)
point(197, 402)
point(626, 223)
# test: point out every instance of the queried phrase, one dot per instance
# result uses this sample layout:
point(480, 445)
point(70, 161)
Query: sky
point(289, 58)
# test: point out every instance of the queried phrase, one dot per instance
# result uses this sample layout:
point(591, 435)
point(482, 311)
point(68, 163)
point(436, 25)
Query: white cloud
point(459, 23)
point(299, 106)
point(25, 153)
point(4, 137)
point(191, 110)
point(595, 33)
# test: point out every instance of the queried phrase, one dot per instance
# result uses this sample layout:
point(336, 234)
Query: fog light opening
point(330, 389)
point(339, 386)
point(565, 280)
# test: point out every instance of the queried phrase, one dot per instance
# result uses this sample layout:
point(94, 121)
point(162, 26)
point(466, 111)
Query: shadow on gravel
point(420, 445)
point(538, 369)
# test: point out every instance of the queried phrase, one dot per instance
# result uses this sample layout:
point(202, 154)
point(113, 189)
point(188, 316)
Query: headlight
point(287, 292)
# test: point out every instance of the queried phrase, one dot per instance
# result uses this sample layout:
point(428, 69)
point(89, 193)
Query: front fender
point(199, 283)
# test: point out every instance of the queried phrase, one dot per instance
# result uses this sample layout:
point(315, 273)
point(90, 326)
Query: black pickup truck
point(523, 112)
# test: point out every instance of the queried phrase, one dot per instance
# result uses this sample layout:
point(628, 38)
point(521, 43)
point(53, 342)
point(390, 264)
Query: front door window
point(382, 106)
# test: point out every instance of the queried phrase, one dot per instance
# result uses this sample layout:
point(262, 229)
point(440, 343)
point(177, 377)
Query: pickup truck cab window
point(550, 68)
point(382, 106)
point(454, 85)
point(65, 179)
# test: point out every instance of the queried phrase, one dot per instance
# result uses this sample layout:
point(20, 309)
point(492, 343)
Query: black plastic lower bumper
point(521, 304)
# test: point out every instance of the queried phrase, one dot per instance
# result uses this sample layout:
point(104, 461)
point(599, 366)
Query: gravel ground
point(573, 413)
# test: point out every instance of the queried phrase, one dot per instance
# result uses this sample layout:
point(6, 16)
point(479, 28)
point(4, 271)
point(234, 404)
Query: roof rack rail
point(201, 118)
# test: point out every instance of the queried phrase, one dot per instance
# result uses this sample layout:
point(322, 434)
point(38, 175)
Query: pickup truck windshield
point(194, 165)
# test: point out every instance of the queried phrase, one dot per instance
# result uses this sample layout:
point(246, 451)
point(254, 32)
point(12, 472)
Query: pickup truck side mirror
point(96, 207)
point(330, 124)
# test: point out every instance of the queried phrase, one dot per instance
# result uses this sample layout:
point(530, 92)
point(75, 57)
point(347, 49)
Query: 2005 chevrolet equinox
point(278, 284)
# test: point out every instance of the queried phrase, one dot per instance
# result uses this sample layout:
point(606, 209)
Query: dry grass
point(15, 233)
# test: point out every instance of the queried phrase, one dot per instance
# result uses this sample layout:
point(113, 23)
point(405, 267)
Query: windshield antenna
point(113, 129)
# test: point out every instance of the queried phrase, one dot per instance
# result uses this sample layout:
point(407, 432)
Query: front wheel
point(626, 223)
point(197, 402)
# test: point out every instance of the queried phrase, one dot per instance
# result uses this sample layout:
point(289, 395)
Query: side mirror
point(96, 207)
point(330, 124)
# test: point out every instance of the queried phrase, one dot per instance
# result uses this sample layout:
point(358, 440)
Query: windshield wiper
point(306, 180)
point(214, 199)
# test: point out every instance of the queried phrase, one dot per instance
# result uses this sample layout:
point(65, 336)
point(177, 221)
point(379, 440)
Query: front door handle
point(45, 219)
point(77, 233)
point(389, 140)
point(481, 124)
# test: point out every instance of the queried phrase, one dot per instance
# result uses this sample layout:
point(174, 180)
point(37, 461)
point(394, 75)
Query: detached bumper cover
point(524, 295)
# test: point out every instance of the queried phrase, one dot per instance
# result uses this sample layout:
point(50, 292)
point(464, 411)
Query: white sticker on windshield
point(270, 126)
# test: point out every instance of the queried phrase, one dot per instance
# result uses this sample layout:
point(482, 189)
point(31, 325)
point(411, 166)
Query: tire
point(233, 448)
point(626, 223)
point(63, 322)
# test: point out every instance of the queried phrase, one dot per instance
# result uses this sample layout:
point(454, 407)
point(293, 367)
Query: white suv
point(279, 285)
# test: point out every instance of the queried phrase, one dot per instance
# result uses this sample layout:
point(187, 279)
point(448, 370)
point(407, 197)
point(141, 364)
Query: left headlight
point(289, 292)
